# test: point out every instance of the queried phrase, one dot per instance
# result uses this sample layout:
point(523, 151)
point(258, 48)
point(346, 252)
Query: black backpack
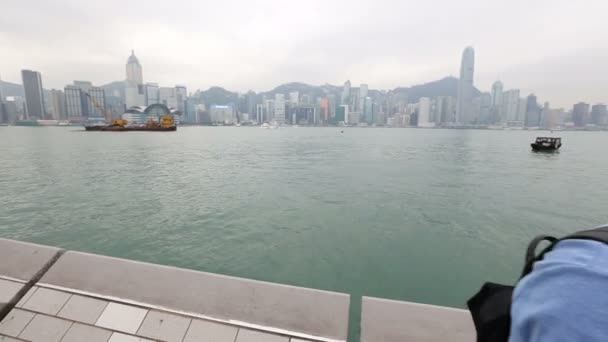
point(491, 306)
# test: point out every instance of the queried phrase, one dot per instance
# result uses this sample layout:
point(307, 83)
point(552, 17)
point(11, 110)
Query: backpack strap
point(596, 234)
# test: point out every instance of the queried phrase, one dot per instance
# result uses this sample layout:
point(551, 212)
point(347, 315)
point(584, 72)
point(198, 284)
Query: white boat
point(265, 125)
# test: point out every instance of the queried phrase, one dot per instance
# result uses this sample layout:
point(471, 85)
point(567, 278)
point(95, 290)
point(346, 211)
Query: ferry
point(546, 144)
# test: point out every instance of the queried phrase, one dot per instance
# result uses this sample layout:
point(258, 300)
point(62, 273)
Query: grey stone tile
point(8, 290)
point(83, 309)
point(80, 333)
point(246, 335)
point(118, 337)
point(9, 339)
point(27, 296)
point(121, 317)
point(205, 331)
point(164, 326)
point(293, 339)
point(45, 329)
point(46, 301)
point(15, 321)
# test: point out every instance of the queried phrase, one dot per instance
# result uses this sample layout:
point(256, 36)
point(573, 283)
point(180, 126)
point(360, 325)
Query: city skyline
point(260, 47)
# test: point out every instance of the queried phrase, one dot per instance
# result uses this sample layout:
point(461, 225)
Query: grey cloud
point(533, 45)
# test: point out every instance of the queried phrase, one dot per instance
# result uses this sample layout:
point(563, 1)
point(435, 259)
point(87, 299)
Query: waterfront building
point(58, 110)
point(532, 112)
point(464, 100)
point(279, 108)
point(152, 93)
point(580, 114)
point(599, 115)
point(34, 96)
point(134, 87)
point(424, 112)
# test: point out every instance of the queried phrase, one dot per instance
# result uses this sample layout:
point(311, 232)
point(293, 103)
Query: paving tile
point(205, 331)
point(46, 301)
point(27, 296)
point(8, 290)
point(81, 332)
point(45, 329)
point(83, 309)
point(293, 339)
point(118, 337)
point(246, 335)
point(121, 317)
point(164, 326)
point(9, 339)
point(15, 321)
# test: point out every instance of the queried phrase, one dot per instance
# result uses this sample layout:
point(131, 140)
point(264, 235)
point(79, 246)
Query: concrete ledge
point(24, 261)
point(394, 321)
point(295, 309)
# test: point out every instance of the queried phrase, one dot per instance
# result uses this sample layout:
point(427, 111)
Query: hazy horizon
point(550, 48)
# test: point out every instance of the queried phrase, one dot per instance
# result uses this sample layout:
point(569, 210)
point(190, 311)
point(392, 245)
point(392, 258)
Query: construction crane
point(105, 113)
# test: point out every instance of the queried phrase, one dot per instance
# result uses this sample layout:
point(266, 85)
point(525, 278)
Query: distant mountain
point(11, 89)
point(218, 96)
point(447, 86)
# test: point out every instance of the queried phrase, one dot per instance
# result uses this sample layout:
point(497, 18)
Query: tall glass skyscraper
point(464, 100)
point(34, 98)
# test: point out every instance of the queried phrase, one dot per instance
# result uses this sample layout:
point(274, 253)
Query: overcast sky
point(554, 48)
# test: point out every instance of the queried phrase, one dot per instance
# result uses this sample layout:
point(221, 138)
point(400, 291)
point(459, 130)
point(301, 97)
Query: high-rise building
point(521, 111)
point(73, 102)
point(424, 112)
point(3, 112)
point(363, 90)
point(464, 100)
point(599, 115)
point(34, 96)
point(345, 93)
point(332, 105)
point(324, 108)
point(580, 114)
point(96, 102)
point(181, 96)
point(497, 103)
point(152, 93)
point(294, 97)
point(58, 105)
point(167, 97)
point(279, 108)
point(251, 103)
point(368, 110)
point(532, 112)
point(486, 113)
point(268, 110)
point(510, 105)
point(134, 92)
point(342, 114)
point(222, 115)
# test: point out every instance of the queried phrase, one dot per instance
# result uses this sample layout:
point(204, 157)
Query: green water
point(410, 214)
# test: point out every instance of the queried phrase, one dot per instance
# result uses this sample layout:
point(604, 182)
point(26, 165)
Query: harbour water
point(423, 215)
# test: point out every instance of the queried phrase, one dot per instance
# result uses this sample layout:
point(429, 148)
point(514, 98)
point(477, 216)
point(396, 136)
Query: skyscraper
point(580, 114)
point(73, 102)
point(510, 105)
point(3, 114)
point(599, 114)
point(152, 93)
point(424, 112)
point(58, 104)
point(532, 112)
point(34, 97)
point(134, 91)
point(464, 100)
point(181, 95)
point(346, 93)
point(496, 110)
point(279, 108)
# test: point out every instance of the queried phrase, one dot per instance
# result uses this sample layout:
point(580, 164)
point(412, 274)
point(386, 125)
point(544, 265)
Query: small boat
point(546, 144)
